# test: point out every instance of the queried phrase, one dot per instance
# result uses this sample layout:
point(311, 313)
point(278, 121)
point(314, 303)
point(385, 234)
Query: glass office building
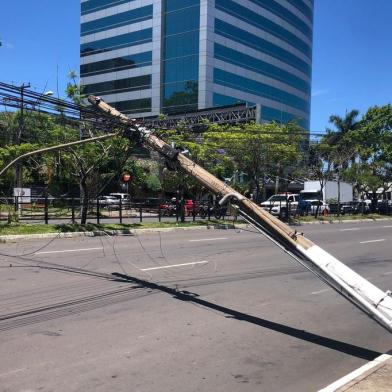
point(147, 57)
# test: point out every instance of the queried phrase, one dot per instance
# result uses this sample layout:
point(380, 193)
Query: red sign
point(126, 177)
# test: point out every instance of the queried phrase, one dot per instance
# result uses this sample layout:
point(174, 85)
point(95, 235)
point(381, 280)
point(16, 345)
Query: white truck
point(312, 191)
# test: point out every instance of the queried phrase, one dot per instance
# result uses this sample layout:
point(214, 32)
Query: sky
point(352, 51)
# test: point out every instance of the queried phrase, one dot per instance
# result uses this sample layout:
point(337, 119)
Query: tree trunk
point(374, 202)
point(84, 201)
point(339, 195)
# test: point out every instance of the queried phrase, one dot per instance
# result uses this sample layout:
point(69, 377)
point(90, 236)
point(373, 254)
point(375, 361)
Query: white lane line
point(208, 239)
point(387, 273)
point(352, 229)
point(356, 373)
point(174, 265)
point(67, 250)
point(367, 242)
point(387, 227)
point(319, 292)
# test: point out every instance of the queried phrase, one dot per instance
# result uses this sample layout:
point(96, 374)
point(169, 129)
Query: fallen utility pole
point(376, 303)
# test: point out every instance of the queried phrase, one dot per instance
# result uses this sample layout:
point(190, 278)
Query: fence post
point(120, 211)
point(73, 210)
point(209, 210)
point(159, 213)
point(177, 210)
point(46, 210)
point(98, 212)
point(193, 212)
point(141, 213)
point(16, 203)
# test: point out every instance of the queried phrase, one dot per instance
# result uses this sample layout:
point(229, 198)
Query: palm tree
point(343, 125)
point(339, 140)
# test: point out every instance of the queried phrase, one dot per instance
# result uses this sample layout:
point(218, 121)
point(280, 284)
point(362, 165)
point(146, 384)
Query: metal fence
point(68, 210)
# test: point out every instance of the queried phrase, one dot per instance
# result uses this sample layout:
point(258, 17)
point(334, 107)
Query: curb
point(331, 222)
point(17, 237)
point(357, 376)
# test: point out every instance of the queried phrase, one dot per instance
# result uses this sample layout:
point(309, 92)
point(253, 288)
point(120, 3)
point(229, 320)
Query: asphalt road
point(211, 310)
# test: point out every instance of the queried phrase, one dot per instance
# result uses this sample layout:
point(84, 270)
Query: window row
point(250, 86)
point(116, 42)
point(284, 13)
point(267, 113)
point(301, 6)
point(117, 20)
point(117, 64)
point(174, 5)
point(259, 21)
point(231, 56)
point(119, 86)
point(180, 69)
point(234, 33)
point(181, 45)
point(133, 106)
point(183, 20)
point(97, 5)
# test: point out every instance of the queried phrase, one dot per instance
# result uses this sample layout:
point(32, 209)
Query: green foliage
point(153, 184)
point(251, 149)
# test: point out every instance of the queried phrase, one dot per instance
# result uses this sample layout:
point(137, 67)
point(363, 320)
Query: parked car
point(124, 197)
point(361, 207)
point(108, 201)
point(277, 204)
point(318, 206)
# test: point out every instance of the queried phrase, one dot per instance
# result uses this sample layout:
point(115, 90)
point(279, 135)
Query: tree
point(342, 149)
point(258, 150)
point(373, 138)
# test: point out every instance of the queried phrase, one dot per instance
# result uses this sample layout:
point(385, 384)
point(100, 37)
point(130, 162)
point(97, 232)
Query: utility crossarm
point(376, 303)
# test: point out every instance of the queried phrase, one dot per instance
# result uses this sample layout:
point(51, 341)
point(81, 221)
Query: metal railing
point(68, 210)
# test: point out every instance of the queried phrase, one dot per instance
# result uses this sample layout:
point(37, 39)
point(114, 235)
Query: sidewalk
point(375, 376)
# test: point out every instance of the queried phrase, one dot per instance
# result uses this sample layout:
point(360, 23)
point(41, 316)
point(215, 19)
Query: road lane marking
point(319, 292)
point(367, 242)
point(352, 229)
point(387, 227)
point(387, 273)
point(208, 239)
point(67, 250)
point(174, 265)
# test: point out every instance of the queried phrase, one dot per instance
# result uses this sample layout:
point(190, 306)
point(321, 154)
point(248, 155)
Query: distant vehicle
point(312, 191)
point(108, 201)
point(189, 206)
point(124, 197)
point(278, 204)
point(313, 206)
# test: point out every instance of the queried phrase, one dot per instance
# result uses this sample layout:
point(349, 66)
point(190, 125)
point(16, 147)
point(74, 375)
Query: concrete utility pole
point(19, 134)
point(376, 303)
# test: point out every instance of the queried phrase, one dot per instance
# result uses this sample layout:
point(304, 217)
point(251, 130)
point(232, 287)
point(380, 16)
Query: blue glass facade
point(263, 54)
point(117, 20)
point(180, 59)
point(167, 56)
